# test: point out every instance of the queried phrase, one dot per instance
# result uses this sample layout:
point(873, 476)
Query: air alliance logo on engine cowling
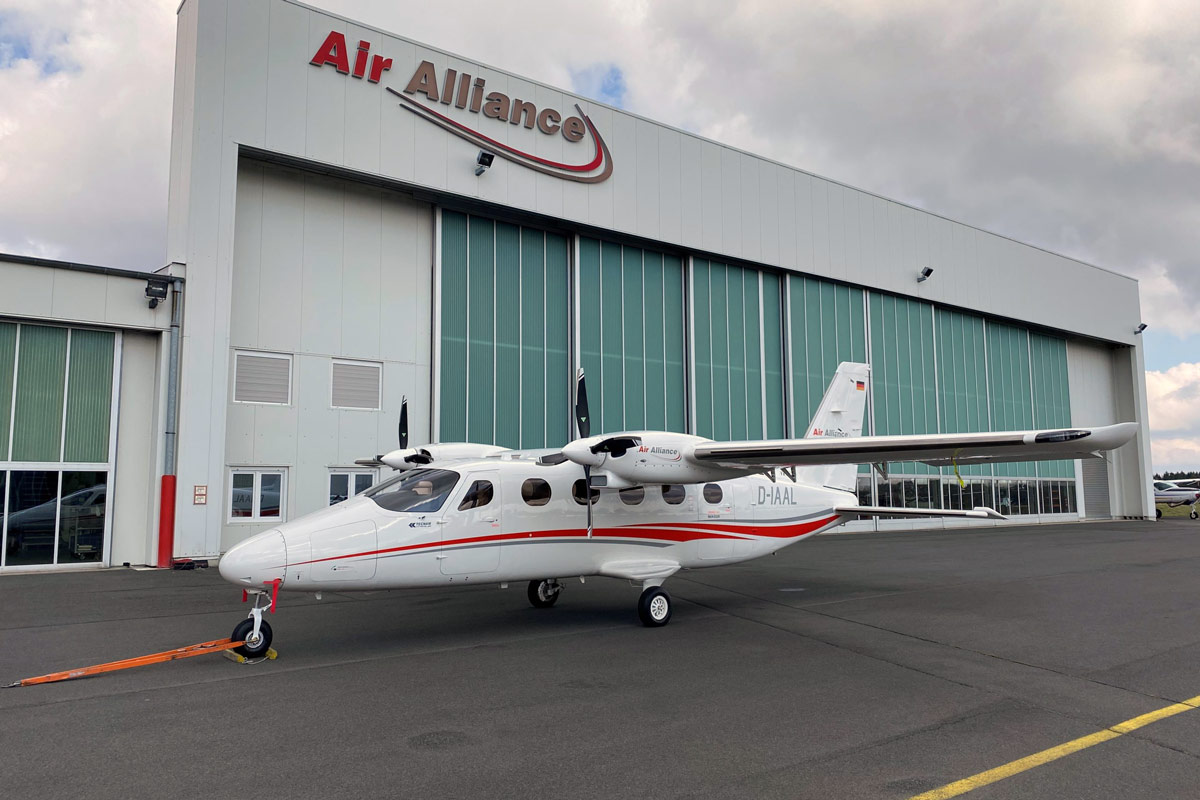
point(663, 453)
point(462, 95)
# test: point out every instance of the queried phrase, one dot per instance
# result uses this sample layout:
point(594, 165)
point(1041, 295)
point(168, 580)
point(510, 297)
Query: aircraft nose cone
point(258, 560)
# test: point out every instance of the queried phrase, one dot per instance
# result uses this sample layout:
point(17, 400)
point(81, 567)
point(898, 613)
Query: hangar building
point(343, 250)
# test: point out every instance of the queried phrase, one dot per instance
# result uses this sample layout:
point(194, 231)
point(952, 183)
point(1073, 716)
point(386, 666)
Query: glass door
point(58, 390)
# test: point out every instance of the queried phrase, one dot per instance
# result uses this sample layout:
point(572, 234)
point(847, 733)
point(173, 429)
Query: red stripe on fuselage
point(656, 531)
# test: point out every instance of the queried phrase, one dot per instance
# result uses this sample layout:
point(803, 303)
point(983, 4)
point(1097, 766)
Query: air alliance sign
point(447, 102)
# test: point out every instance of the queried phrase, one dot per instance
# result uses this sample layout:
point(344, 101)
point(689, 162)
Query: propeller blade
point(583, 422)
point(403, 428)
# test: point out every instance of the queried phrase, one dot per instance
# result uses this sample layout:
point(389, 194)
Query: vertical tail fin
point(840, 416)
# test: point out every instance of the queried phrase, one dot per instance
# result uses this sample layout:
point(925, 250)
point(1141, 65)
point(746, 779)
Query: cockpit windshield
point(417, 490)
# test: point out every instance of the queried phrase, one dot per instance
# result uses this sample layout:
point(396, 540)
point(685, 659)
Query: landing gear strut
point(253, 630)
point(543, 594)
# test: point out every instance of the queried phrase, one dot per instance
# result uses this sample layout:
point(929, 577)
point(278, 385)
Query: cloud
point(604, 82)
point(1173, 397)
point(85, 110)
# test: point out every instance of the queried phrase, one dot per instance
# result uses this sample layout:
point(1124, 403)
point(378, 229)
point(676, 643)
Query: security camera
point(483, 161)
point(925, 273)
point(1139, 329)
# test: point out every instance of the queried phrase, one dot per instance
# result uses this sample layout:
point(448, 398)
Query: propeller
point(401, 434)
point(583, 426)
point(583, 422)
point(402, 430)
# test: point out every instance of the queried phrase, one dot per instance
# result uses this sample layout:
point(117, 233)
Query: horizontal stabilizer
point(979, 512)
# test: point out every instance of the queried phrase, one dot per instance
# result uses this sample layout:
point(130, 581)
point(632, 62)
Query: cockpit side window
point(478, 496)
point(417, 490)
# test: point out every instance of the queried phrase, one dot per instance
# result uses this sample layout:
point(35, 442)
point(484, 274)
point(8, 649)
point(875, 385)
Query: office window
point(257, 495)
point(346, 483)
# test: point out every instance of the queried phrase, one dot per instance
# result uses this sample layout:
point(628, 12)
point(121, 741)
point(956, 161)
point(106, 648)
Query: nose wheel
point(256, 643)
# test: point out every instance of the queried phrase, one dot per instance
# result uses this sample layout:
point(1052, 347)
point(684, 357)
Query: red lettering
point(378, 65)
point(333, 51)
point(360, 59)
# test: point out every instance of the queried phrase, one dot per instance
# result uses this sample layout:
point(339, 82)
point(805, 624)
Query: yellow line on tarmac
point(1055, 753)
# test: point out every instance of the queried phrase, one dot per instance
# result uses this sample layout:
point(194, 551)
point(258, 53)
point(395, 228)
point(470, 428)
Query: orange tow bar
point(215, 646)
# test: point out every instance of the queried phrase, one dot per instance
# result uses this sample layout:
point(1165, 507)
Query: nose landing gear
point(254, 630)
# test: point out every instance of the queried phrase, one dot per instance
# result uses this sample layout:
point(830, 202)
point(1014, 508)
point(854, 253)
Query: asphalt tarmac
point(849, 666)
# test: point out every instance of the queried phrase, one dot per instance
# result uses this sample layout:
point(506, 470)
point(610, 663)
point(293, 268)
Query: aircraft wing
point(979, 512)
point(939, 450)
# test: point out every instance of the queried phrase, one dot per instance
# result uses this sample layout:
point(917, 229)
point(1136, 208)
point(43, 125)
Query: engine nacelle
point(415, 457)
point(650, 457)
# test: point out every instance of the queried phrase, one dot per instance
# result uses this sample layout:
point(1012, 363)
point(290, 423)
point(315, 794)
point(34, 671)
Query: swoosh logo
point(581, 173)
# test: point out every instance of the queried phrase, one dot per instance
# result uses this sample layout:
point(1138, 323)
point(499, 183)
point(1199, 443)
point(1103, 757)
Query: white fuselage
point(359, 544)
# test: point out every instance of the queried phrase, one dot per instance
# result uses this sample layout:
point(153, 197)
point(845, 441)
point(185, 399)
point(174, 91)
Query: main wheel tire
point(1158, 513)
point(654, 607)
point(1195, 514)
point(252, 649)
point(543, 594)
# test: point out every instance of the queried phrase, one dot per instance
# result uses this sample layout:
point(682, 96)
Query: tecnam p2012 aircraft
point(639, 506)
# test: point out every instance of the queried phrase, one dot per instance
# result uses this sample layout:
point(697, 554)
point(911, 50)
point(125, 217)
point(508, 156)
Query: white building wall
point(135, 492)
point(243, 79)
point(324, 269)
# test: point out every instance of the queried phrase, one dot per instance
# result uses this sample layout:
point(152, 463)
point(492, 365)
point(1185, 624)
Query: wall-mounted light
point(483, 161)
point(156, 290)
point(925, 273)
point(1139, 329)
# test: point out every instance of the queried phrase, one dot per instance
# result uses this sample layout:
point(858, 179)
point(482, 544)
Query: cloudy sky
point(1071, 125)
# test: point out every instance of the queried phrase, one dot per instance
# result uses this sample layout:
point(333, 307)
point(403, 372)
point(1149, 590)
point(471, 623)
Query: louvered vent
point(356, 385)
point(263, 379)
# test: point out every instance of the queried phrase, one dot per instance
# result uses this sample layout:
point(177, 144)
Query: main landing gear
point(654, 606)
point(253, 630)
point(543, 594)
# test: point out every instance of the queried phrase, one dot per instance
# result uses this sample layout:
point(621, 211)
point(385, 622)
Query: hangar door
point(57, 439)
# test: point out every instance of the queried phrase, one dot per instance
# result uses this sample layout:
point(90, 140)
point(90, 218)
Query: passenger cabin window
point(632, 497)
point(579, 493)
point(712, 493)
point(674, 494)
point(418, 490)
point(535, 492)
point(478, 496)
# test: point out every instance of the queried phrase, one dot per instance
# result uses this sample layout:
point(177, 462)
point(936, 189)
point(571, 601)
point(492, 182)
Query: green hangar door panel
point(631, 337)
point(504, 372)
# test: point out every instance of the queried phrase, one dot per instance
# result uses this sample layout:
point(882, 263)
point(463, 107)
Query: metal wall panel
point(904, 377)
point(89, 396)
point(738, 373)
point(504, 367)
point(962, 379)
point(631, 336)
point(1010, 389)
point(8, 357)
point(41, 382)
point(827, 327)
point(1051, 395)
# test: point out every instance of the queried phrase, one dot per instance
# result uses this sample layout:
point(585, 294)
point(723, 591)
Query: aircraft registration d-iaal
point(638, 506)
